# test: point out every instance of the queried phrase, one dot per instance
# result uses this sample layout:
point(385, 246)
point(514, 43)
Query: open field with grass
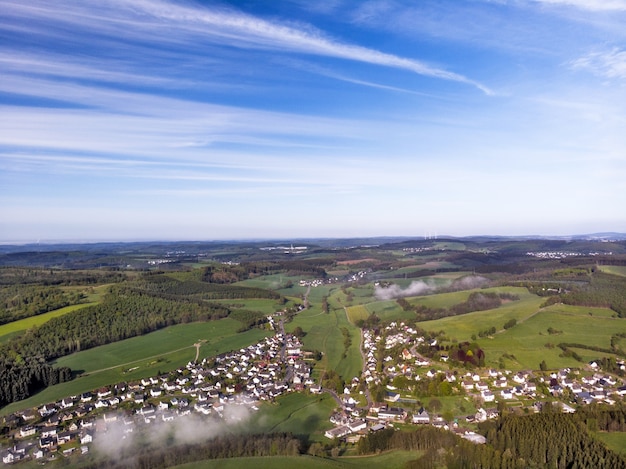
point(27, 323)
point(144, 356)
point(527, 340)
point(357, 312)
point(388, 460)
point(323, 333)
point(297, 413)
point(614, 269)
point(614, 440)
point(264, 306)
point(464, 326)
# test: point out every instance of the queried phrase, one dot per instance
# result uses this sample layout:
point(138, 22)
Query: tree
point(434, 405)
point(543, 366)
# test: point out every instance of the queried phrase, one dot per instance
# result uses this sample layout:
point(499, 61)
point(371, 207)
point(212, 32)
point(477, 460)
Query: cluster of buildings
point(262, 371)
point(563, 254)
point(396, 345)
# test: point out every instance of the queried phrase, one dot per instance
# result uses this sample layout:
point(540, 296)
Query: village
point(278, 365)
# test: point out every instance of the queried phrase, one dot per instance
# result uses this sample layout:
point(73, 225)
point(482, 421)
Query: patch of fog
point(420, 287)
point(391, 292)
point(121, 440)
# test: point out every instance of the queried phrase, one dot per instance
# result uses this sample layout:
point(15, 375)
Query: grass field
point(324, 332)
point(160, 351)
point(357, 312)
point(614, 269)
point(389, 460)
point(527, 340)
point(261, 305)
point(297, 413)
point(27, 323)
point(614, 440)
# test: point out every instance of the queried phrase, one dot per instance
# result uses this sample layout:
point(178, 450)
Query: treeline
point(23, 301)
point(476, 301)
point(603, 290)
point(230, 273)
point(21, 377)
point(248, 319)
point(46, 277)
point(544, 440)
point(228, 446)
point(123, 313)
point(170, 287)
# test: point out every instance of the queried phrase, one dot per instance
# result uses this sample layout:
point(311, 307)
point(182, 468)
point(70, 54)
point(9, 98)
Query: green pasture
point(357, 312)
point(297, 413)
point(527, 340)
point(614, 269)
point(388, 460)
point(616, 441)
point(27, 323)
point(265, 306)
point(389, 310)
point(323, 333)
point(143, 356)
point(464, 326)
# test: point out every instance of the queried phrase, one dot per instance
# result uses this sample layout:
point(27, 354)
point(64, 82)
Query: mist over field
point(123, 439)
point(420, 287)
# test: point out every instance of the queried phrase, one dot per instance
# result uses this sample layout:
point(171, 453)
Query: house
point(421, 417)
point(357, 425)
point(392, 413)
point(337, 432)
point(86, 437)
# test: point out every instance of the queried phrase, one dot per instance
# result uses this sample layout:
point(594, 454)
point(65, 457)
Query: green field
point(614, 440)
point(324, 332)
point(357, 312)
point(462, 327)
point(147, 355)
point(614, 269)
point(27, 323)
point(297, 413)
point(527, 340)
point(264, 306)
point(389, 460)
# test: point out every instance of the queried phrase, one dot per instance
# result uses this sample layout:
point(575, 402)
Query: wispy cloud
point(591, 5)
point(137, 19)
point(608, 64)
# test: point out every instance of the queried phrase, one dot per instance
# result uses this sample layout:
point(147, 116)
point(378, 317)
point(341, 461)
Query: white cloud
point(591, 5)
point(608, 64)
point(166, 23)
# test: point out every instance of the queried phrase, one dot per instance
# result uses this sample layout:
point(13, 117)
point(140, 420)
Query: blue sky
point(141, 119)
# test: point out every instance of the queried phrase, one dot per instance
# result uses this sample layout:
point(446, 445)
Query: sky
point(206, 120)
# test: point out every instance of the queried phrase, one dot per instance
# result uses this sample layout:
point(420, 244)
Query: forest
point(545, 440)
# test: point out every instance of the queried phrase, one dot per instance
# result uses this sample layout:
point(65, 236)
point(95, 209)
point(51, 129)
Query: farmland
point(544, 315)
point(143, 356)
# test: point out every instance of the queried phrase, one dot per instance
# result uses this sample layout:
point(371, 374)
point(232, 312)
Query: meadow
point(529, 342)
point(324, 332)
point(388, 460)
point(12, 328)
point(614, 269)
point(297, 413)
point(143, 356)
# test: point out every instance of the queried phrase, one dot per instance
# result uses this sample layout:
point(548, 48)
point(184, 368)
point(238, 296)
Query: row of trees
point(476, 301)
point(23, 301)
point(551, 439)
point(227, 446)
point(123, 313)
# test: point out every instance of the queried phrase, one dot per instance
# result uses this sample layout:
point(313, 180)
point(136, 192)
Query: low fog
point(420, 287)
point(123, 437)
